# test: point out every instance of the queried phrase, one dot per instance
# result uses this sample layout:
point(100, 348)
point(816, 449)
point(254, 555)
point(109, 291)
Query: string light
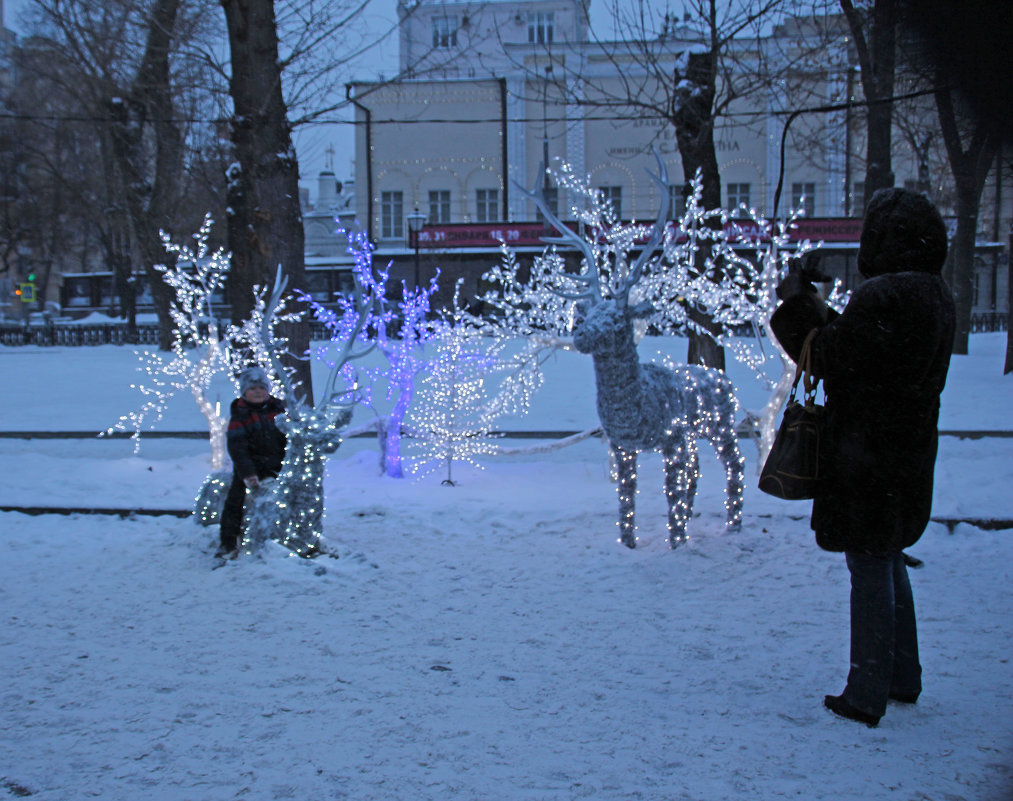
point(210, 500)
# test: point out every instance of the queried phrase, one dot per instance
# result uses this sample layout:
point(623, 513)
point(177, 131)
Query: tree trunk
point(970, 167)
point(1008, 366)
point(875, 41)
point(153, 86)
point(265, 220)
point(692, 116)
point(151, 191)
point(959, 269)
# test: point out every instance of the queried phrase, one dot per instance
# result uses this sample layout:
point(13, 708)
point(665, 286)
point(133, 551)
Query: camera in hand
point(807, 267)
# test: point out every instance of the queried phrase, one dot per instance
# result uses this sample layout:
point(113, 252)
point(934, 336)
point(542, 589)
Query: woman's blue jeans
point(884, 637)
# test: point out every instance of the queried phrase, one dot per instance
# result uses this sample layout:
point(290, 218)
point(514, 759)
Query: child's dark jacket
point(256, 445)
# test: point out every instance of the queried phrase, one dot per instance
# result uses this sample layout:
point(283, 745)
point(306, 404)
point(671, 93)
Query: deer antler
point(267, 336)
point(360, 308)
point(589, 276)
point(657, 234)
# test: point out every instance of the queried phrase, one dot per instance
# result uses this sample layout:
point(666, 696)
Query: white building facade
point(492, 91)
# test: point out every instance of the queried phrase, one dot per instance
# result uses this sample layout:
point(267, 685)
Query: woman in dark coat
point(883, 362)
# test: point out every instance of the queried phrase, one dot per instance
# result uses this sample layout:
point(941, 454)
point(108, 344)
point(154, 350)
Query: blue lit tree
point(399, 335)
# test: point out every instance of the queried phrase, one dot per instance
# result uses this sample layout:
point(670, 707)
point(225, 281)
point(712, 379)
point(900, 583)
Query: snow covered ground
point(489, 641)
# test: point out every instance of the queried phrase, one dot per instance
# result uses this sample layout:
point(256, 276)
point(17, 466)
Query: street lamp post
point(415, 222)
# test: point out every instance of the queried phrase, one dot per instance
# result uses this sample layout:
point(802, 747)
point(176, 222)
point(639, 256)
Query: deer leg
point(627, 463)
point(681, 469)
point(728, 452)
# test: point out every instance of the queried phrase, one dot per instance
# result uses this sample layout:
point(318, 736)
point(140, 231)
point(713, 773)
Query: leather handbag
point(792, 468)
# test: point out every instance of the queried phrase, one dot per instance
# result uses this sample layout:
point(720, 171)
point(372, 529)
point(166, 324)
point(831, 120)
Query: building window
point(540, 27)
point(738, 195)
point(439, 206)
point(677, 200)
point(444, 32)
point(858, 199)
point(613, 195)
point(803, 196)
point(487, 205)
point(392, 215)
point(551, 195)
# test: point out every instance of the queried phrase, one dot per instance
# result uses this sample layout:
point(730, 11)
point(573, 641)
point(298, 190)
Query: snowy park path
point(489, 641)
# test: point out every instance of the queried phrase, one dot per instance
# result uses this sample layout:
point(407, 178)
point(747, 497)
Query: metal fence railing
point(989, 321)
point(95, 334)
point(73, 334)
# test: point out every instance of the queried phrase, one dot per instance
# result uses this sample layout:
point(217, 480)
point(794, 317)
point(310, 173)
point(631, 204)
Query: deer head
point(605, 323)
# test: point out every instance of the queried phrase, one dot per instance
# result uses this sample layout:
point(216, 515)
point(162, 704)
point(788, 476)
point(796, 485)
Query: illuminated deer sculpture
point(289, 510)
point(648, 406)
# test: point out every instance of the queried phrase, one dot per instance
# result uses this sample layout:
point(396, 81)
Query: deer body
point(290, 509)
point(650, 407)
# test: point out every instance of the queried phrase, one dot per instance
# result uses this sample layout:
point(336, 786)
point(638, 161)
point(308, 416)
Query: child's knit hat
point(253, 377)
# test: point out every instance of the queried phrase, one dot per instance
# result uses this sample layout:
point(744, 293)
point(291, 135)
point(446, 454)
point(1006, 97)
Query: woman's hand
point(802, 272)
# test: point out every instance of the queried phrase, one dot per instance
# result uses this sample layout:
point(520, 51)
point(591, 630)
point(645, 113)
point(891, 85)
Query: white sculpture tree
point(199, 352)
point(453, 418)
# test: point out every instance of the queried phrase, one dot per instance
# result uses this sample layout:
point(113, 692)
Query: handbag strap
point(803, 371)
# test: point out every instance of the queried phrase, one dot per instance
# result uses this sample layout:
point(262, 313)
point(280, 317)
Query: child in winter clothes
point(256, 447)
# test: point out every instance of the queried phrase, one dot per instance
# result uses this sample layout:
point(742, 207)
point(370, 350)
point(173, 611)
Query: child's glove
point(251, 482)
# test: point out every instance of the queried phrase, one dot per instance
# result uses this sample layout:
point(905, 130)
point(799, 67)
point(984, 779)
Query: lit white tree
point(199, 350)
point(453, 418)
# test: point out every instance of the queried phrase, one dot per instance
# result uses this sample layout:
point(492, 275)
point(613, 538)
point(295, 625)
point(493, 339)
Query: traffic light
point(31, 278)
